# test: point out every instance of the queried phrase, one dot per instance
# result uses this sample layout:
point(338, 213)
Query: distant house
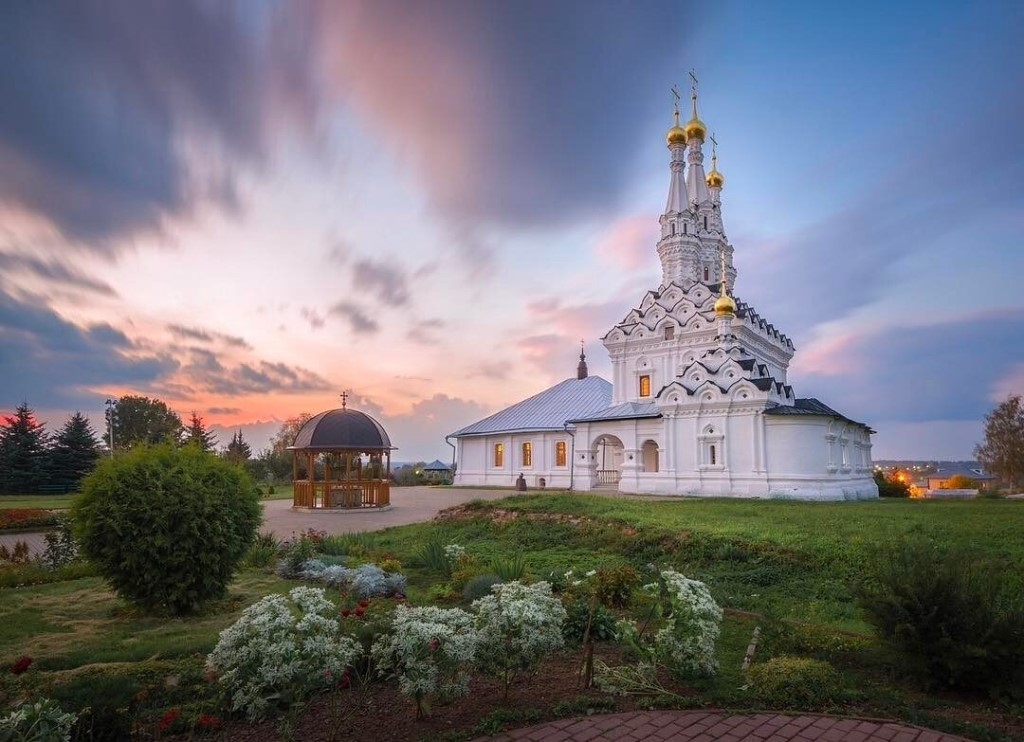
point(939, 480)
point(438, 471)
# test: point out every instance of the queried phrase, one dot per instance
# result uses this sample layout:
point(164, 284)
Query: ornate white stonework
point(699, 401)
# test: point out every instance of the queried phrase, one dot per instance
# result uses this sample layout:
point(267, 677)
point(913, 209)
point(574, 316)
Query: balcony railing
point(341, 494)
point(608, 476)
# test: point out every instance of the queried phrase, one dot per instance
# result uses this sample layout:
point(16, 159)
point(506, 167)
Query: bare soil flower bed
point(382, 714)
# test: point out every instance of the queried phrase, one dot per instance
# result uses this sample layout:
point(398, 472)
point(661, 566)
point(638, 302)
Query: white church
point(699, 402)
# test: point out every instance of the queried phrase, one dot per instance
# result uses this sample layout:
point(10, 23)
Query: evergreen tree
point(73, 452)
point(196, 434)
point(144, 420)
point(238, 449)
point(22, 452)
point(1002, 453)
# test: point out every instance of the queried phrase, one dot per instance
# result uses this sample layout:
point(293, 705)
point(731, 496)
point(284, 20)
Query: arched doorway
point(649, 456)
point(608, 454)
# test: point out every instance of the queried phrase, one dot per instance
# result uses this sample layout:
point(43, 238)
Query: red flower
point(327, 674)
point(344, 681)
point(434, 643)
point(21, 664)
point(363, 603)
point(345, 612)
point(359, 612)
point(168, 718)
point(209, 721)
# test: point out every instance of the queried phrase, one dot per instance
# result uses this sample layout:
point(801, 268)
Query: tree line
point(32, 459)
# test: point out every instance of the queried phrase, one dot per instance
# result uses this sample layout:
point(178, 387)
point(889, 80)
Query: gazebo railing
point(341, 493)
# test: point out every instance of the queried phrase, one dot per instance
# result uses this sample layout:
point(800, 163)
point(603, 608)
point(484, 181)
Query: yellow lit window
point(527, 454)
point(499, 455)
point(560, 453)
point(645, 386)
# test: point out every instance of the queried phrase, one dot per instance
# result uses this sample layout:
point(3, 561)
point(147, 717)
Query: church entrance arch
point(608, 453)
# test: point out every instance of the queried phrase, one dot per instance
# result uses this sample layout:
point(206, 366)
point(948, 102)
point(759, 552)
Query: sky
point(244, 208)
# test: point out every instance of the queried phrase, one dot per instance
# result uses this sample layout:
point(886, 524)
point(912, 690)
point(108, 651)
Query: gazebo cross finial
point(344, 400)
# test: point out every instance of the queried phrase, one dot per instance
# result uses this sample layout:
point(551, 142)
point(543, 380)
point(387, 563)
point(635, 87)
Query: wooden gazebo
point(341, 460)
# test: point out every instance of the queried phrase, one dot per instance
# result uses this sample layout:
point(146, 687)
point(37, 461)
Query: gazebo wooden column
point(345, 487)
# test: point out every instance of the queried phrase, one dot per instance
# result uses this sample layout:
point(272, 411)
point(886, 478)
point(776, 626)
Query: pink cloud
point(629, 241)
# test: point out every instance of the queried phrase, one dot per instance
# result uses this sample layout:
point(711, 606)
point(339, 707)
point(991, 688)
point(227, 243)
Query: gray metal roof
point(437, 465)
point(624, 411)
point(342, 429)
point(549, 410)
point(811, 406)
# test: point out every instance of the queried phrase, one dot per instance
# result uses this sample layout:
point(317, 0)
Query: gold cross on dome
point(344, 400)
point(693, 82)
point(675, 93)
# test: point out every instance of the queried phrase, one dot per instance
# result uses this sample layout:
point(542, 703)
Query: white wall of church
point(476, 457)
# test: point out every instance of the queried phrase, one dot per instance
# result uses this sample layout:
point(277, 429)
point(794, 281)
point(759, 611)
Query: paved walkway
point(409, 505)
point(709, 726)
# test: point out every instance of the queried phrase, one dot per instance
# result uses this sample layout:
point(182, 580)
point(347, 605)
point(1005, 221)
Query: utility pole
point(110, 425)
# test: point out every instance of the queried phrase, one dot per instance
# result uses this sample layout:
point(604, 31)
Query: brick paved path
point(709, 726)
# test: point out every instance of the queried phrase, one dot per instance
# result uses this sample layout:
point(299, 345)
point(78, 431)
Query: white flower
point(270, 650)
point(429, 650)
point(519, 625)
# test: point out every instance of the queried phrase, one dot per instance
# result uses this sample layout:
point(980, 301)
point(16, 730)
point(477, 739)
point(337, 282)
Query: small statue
point(521, 483)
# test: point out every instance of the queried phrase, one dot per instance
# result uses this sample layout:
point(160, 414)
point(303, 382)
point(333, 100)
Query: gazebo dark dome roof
point(342, 428)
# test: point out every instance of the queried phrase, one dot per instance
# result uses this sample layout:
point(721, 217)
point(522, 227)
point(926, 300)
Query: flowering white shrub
point(518, 625)
point(454, 552)
point(686, 643)
point(364, 581)
point(430, 651)
point(42, 721)
point(275, 654)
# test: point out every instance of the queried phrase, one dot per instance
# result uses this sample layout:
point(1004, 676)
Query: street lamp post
point(110, 425)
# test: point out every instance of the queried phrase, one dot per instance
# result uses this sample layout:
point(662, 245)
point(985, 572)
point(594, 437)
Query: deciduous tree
point(1002, 452)
point(144, 420)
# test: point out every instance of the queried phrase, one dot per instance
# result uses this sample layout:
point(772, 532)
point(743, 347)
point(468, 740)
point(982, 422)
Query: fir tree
point(238, 449)
point(22, 452)
point(196, 434)
point(73, 452)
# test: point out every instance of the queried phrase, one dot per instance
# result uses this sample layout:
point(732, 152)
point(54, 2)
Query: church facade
point(699, 401)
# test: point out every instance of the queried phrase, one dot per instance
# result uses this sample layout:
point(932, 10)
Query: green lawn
point(46, 502)
point(789, 560)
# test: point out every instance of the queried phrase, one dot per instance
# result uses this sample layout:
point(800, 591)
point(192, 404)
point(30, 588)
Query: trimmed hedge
point(167, 526)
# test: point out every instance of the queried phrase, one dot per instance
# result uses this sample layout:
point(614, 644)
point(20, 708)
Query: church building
point(699, 401)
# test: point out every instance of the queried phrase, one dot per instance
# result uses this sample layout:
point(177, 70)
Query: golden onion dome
point(695, 128)
point(715, 179)
point(675, 135)
point(725, 305)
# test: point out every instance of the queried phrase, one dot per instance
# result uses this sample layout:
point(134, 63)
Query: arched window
point(673, 229)
point(499, 455)
point(649, 456)
point(527, 455)
point(705, 222)
point(645, 386)
point(711, 446)
point(705, 274)
point(670, 332)
point(686, 228)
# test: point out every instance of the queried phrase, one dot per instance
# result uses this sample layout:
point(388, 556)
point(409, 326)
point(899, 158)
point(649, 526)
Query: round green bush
point(167, 526)
point(786, 682)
